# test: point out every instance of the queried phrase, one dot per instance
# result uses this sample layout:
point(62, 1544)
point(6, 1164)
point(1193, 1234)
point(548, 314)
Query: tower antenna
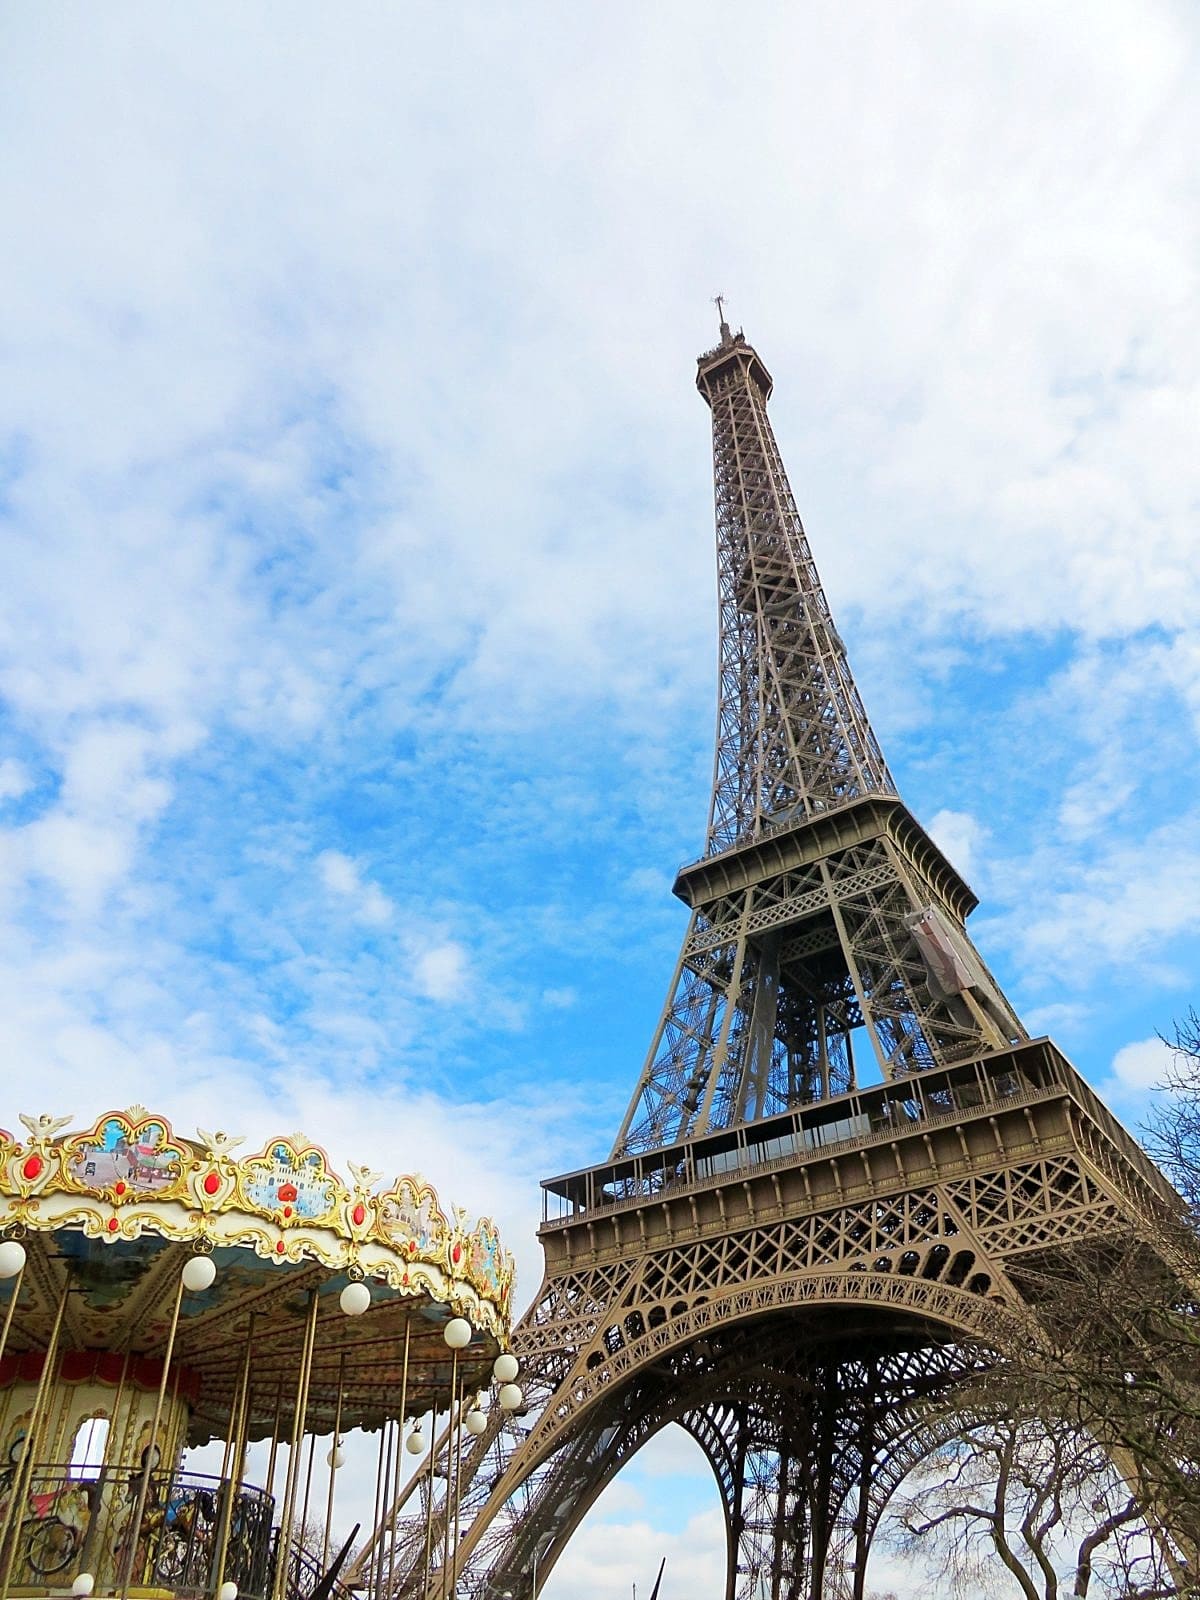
point(719, 302)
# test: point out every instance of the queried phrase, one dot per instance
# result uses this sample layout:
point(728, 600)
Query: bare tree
point(1081, 1472)
point(1173, 1132)
point(1016, 1507)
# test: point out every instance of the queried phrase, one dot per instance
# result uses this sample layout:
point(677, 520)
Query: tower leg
point(866, 1462)
point(785, 1492)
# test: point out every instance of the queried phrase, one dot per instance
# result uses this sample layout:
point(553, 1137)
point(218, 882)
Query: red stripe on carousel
point(98, 1366)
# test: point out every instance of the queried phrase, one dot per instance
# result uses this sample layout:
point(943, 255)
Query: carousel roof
point(118, 1208)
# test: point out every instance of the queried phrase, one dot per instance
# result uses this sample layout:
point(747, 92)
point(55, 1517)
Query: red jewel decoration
point(279, 1248)
point(359, 1215)
point(118, 1187)
point(212, 1182)
point(32, 1168)
point(287, 1211)
point(287, 1191)
point(412, 1247)
point(456, 1254)
point(112, 1224)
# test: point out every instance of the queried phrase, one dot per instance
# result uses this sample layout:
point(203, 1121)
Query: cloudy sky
point(357, 605)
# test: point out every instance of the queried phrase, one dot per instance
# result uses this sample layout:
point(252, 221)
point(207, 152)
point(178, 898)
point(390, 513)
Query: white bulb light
point(457, 1333)
point(415, 1442)
point(227, 1591)
point(336, 1457)
point(476, 1422)
point(83, 1585)
point(510, 1397)
point(12, 1258)
point(505, 1368)
point(198, 1274)
point(354, 1299)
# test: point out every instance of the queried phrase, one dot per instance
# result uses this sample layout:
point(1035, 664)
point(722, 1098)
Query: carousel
point(159, 1293)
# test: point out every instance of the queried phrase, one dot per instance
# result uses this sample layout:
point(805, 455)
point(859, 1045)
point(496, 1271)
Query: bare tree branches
point(1079, 1470)
point(1173, 1132)
point(1044, 1504)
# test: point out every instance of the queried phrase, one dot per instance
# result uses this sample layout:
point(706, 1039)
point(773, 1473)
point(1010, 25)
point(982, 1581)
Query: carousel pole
point(462, 1386)
point(385, 1477)
point(455, 1422)
point(391, 1560)
point(312, 1456)
point(235, 1401)
point(457, 1334)
point(429, 1503)
point(12, 1265)
point(293, 1473)
point(275, 1438)
point(238, 1471)
point(237, 1434)
point(335, 1458)
point(112, 1443)
point(452, 1442)
point(24, 1472)
point(373, 1564)
point(197, 1274)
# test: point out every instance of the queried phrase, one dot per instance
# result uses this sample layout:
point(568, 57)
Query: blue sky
point(357, 618)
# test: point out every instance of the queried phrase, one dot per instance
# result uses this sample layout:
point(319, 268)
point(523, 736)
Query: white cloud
point(651, 882)
point(1142, 1064)
point(85, 858)
point(673, 1453)
point(959, 834)
point(1130, 904)
point(339, 873)
point(441, 973)
point(343, 877)
point(560, 999)
point(604, 1558)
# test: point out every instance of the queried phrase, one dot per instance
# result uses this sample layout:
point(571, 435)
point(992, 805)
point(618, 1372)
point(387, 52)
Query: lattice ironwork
point(846, 925)
point(797, 1264)
point(792, 734)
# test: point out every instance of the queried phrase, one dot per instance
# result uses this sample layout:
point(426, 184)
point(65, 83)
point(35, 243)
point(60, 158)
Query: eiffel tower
point(842, 1143)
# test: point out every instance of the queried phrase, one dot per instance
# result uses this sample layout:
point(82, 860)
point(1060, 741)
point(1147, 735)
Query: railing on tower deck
point(71, 1523)
point(1026, 1074)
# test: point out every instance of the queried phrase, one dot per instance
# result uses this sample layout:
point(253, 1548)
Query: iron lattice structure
point(822, 913)
point(839, 1151)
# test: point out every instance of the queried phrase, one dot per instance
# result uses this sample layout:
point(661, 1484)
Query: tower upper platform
point(733, 358)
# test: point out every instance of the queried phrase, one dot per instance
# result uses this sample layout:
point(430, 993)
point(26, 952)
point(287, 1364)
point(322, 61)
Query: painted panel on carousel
point(488, 1267)
point(411, 1221)
point(291, 1182)
point(125, 1155)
